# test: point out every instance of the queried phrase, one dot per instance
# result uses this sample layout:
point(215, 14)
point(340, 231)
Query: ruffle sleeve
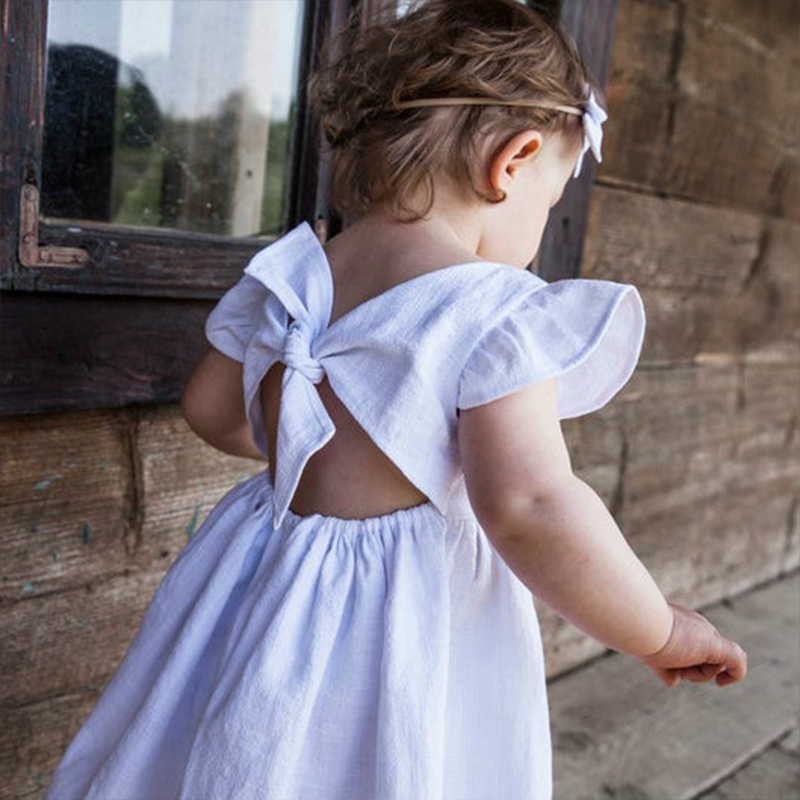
point(233, 322)
point(587, 333)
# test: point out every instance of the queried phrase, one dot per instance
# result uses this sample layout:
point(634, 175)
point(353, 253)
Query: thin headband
point(592, 117)
point(485, 101)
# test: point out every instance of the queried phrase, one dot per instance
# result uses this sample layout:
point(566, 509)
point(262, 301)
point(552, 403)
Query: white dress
point(396, 657)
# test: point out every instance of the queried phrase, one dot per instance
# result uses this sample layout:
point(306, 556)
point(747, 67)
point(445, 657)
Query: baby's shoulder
point(487, 287)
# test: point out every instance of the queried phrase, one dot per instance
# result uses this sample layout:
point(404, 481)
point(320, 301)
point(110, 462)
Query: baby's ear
point(527, 145)
point(515, 153)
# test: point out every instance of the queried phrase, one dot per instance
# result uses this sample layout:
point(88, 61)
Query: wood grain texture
point(182, 479)
point(62, 351)
point(95, 509)
point(34, 737)
point(23, 29)
point(635, 142)
point(704, 101)
point(696, 457)
point(698, 465)
point(731, 47)
point(91, 495)
point(53, 644)
point(592, 27)
point(774, 773)
point(141, 262)
point(64, 482)
point(715, 281)
point(791, 742)
point(618, 732)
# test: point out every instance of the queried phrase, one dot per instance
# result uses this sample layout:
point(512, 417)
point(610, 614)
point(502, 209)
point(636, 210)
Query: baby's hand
point(697, 651)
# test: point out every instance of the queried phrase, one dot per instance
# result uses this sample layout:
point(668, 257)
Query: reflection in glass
point(171, 114)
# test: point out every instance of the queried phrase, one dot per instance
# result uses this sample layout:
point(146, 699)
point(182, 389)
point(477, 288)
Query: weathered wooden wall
point(697, 203)
point(95, 506)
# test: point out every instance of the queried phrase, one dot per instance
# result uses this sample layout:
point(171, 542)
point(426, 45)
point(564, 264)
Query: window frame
point(592, 26)
point(113, 259)
point(136, 278)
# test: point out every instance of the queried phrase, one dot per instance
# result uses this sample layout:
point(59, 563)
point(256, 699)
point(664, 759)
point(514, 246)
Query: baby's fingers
point(668, 676)
point(700, 673)
point(735, 669)
point(734, 665)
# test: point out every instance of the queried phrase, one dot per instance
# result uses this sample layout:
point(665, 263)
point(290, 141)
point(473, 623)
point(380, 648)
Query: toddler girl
point(356, 621)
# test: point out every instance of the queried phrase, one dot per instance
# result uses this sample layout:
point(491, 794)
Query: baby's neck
point(398, 250)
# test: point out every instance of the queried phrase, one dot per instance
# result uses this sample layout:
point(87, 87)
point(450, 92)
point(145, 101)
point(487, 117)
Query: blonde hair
point(494, 49)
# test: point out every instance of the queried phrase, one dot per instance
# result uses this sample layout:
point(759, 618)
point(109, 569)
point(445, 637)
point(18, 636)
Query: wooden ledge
point(618, 732)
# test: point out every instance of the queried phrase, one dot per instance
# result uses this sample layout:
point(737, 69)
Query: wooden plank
point(773, 290)
point(710, 551)
point(753, 58)
point(22, 31)
point(709, 142)
point(711, 454)
point(34, 737)
point(704, 429)
point(95, 508)
point(791, 742)
point(635, 145)
point(774, 773)
point(140, 262)
point(64, 352)
point(682, 114)
point(596, 439)
point(182, 479)
point(53, 644)
point(658, 242)
point(771, 25)
point(733, 290)
point(715, 427)
point(618, 732)
point(698, 465)
point(697, 555)
point(89, 496)
point(560, 253)
point(64, 481)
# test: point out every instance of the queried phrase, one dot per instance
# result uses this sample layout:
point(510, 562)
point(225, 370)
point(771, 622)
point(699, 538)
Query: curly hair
point(493, 49)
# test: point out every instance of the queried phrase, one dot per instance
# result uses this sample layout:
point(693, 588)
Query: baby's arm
point(213, 405)
point(557, 536)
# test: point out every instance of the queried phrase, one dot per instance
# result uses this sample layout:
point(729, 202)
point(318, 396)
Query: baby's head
point(388, 154)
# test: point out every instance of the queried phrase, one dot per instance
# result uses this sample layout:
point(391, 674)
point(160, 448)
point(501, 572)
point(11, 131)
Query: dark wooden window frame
point(101, 315)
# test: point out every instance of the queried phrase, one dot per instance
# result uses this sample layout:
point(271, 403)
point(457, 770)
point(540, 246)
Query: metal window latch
point(31, 253)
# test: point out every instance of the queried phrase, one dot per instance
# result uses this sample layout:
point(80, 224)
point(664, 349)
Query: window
point(172, 145)
point(148, 148)
point(166, 114)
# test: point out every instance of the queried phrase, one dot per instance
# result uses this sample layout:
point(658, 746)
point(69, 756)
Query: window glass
point(170, 113)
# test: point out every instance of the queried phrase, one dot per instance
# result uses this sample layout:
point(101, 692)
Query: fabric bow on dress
point(304, 425)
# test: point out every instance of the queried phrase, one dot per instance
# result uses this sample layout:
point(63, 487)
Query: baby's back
point(351, 477)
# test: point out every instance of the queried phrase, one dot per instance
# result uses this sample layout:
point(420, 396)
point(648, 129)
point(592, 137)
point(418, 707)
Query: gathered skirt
point(395, 657)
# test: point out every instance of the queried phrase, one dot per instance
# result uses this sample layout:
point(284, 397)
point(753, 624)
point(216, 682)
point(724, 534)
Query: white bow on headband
point(592, 117)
